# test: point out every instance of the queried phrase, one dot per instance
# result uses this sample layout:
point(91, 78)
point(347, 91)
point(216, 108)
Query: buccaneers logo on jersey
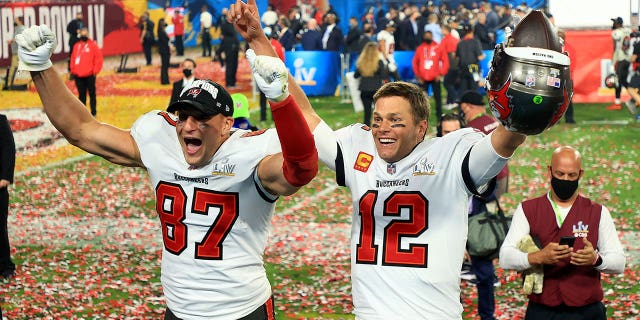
point(499, 101)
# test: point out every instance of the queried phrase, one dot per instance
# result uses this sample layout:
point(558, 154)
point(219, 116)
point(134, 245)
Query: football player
point(215, 187)
point(411, 195)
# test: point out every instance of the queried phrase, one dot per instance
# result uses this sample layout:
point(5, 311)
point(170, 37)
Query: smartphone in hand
point(568, 240)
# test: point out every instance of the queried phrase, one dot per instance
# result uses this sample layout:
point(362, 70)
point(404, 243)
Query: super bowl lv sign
point(110, 23)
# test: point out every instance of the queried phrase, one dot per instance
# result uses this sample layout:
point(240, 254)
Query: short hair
point(190, 60)
point(415, 95)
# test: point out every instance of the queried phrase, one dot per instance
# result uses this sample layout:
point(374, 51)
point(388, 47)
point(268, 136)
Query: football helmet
point(611, 81)
point(528, 85)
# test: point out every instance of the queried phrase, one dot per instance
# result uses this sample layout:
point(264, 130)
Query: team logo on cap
point(194, 92)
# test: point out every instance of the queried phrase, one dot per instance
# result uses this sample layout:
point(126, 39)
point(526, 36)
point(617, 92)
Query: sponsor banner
point(317, 72)
point(111, 23)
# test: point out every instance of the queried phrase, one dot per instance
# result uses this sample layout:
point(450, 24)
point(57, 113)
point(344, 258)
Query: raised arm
point(246, 20)
point(64, 110)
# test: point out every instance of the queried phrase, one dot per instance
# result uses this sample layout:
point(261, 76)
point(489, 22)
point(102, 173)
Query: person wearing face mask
point(430, 64)
point(86, 63)
point(571, 288)
point(188, 76)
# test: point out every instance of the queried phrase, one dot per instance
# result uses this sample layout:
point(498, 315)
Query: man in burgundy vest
point(571, 287)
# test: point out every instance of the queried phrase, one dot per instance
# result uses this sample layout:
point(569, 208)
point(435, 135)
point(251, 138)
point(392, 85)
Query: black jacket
point(7, 150)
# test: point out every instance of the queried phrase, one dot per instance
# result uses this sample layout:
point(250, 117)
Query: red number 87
point(173, 216)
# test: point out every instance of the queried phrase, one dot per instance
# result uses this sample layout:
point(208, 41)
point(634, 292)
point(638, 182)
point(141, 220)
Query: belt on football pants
point(263, 312)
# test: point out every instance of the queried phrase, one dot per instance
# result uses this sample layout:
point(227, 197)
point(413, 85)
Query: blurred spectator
point(492, 17)
point(469, 53)
point(178, 31)
point(332, 39)
point(86, 63)
point(434, 26)
point(7, 166)
point(73, 29)
point(18, 27)
point(229, 45)
point(188, 76)
point(430, 64)
point(571, 52)
point(287, 38)
point(147, 36)
point(453, 27)
point(482, 33)
point(270, 17)
point(387, 44)
point(449, 45)
point(164, 50)
point(372, 72)
point(295, 20)
point(206, 21)
point(620, 58)
point(352, 41)
point(409, 32)
point(448, 123)
point(311, 39)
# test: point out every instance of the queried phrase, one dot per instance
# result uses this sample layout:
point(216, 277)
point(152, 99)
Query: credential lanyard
point(556, 210)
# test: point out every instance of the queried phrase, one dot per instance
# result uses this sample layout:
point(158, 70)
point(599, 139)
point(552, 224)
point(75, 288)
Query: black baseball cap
point(206, 96)
point(472, 97)
point(617, 20)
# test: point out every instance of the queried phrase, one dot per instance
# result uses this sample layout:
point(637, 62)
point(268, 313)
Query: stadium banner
point(111, 23)
point(317, 72)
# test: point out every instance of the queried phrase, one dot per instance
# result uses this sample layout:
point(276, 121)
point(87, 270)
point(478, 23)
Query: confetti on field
point(86, 237)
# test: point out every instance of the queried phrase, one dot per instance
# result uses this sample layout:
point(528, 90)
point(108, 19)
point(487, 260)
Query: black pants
point(87, 84)
point(367, 104)
point(231, 61)
point(206, 43)
point(263, 312)
point(622, 71)
point(5, 249)
point(437, 94)
point(449, 83)
point(147, 44)
point(165, 58)
point(568, 115)
point(594, 311)
point(179, 45)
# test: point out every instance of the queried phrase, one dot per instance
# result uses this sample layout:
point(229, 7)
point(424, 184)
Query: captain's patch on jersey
point(363, 161)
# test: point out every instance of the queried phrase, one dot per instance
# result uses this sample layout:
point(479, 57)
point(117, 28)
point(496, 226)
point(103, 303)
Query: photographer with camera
point(571, 287)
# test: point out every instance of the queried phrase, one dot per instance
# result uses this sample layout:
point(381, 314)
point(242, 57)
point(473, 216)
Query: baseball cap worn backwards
point(205, 96)
point(617, 20)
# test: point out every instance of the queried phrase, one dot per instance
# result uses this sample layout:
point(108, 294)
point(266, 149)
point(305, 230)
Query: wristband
point(598, 260)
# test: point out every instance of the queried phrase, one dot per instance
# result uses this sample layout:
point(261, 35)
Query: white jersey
point(215, 220)
point(409, 225)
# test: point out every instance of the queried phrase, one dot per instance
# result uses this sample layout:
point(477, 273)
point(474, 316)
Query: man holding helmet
point(410, 194)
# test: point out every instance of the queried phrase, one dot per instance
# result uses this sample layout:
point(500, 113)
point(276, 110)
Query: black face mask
point(187, 72)
point(427, 41)
point(84, 38)
point(564, 189)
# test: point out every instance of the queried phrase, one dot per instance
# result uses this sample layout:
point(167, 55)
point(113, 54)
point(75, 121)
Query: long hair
point(367, 62)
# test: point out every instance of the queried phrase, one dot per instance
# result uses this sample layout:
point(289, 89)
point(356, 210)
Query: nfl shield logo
point(391, 168)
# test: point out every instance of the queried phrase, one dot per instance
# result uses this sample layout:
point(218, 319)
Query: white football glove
point(271, 75)
point(35, 46)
